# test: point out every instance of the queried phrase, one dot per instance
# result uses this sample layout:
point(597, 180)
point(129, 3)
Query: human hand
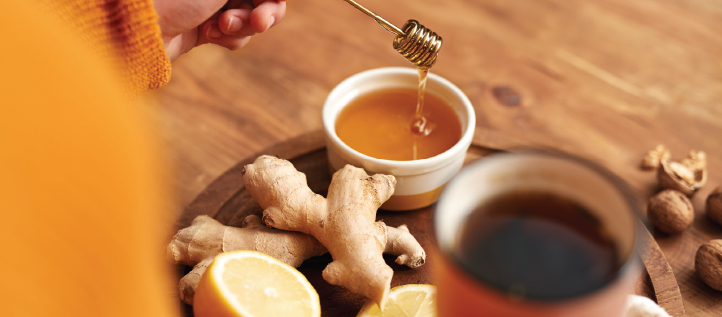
point(186, 24)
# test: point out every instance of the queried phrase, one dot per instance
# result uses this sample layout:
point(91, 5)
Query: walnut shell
point(670, 211)
point(708, 263)
point(679, 177)
point(655, 156)
point(714, 205)
point(695, 160)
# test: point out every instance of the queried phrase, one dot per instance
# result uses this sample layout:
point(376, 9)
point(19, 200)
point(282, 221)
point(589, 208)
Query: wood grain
point(603, 79)
point(666, 289)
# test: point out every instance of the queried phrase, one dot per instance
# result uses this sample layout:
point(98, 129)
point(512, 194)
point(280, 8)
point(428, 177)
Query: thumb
point(179, 16)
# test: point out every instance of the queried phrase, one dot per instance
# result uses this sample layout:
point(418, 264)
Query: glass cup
point(464, 293)
point(418, 182)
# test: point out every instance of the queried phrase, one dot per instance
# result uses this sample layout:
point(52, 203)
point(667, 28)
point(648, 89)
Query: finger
point(236, 22)
point(258, 2)
point(205, 32)
point(267, 14)
point(233, 4)
point(232, 42)
point(211, 33)
point(177, 17)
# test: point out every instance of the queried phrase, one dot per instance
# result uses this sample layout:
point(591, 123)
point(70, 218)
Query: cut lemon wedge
point(252, 284)
point(412, 300)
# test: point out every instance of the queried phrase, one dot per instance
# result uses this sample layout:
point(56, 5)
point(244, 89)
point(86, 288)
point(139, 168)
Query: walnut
point(714, 205)
point(655, 156)
point(708, 263)
point(695, 160)
point(670, 211)
point(686, 177)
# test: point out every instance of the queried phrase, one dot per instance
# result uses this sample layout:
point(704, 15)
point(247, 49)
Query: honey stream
point(420, 126)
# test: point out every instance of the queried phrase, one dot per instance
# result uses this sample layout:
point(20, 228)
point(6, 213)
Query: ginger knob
point(670, 211)
point(344, 222)
point(714, 205)
point(708, 263)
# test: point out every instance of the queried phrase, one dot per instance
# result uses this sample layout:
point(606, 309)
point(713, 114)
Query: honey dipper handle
point(384, 24)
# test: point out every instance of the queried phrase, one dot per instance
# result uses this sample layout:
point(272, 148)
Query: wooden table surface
point(603, 79)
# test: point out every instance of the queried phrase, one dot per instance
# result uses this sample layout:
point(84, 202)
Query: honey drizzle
point(419, 125)
point(423, 73)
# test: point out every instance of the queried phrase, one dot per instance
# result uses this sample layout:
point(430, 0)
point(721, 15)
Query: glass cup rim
point(630, 263)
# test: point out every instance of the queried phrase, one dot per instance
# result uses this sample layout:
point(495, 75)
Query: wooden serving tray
point(227, 201)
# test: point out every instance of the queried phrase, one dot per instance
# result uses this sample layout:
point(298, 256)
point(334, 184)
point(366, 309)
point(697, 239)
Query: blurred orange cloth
point(125, 31)
point(81, 194)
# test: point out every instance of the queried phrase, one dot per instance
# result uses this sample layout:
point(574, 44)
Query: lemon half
point(252, 284)
point(412, 300)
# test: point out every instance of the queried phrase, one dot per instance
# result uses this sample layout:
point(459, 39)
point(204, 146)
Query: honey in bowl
point(378, 124)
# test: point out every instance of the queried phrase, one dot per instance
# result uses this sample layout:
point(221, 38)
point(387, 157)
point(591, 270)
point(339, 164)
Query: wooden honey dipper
point(413, 41)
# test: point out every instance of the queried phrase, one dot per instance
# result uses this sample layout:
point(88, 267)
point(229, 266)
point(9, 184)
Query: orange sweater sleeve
point(125, 31)
point(82, 194)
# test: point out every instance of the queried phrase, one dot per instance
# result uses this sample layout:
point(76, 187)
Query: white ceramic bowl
point(418, 182)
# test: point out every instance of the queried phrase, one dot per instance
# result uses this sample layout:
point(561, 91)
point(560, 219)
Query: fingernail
point(213, 32)
point(270, 22)
point(234, 25)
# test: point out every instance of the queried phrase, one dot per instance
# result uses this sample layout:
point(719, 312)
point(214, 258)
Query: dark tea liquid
point(537, 245)
point(377, 124)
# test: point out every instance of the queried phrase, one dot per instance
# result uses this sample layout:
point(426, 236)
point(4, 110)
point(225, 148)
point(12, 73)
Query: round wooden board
point(226, 200)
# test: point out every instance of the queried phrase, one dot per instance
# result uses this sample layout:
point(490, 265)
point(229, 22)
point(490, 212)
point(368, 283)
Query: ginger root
point(344, 222)
point(399, 241)
point(198, 244)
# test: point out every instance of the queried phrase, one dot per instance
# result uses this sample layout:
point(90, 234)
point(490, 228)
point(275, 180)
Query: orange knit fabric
point(125, 31)
point(83, 199)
